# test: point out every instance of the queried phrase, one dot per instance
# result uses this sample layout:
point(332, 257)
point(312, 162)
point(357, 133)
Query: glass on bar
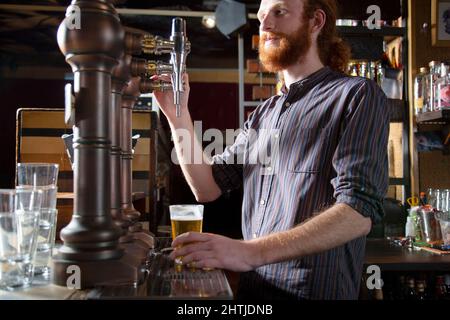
point(185, 218)
point(37, 174)
point(19, 220)
point(44, 177)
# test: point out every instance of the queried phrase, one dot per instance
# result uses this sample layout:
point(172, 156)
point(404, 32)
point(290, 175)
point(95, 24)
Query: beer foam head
point(186, 218)
point(186, 212)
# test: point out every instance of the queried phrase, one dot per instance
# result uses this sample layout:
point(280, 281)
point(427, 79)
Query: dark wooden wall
point(215, 104)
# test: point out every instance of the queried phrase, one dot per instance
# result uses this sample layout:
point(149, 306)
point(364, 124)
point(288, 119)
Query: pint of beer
point(185, 218)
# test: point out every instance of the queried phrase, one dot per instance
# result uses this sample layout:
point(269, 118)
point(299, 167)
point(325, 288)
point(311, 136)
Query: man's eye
point(280, 12)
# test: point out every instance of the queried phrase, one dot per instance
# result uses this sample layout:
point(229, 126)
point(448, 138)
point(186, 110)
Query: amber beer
point(185, 218)
point(185, 224)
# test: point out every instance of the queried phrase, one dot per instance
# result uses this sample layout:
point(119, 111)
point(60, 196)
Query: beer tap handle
point(156, 45)
point(137, 43)
point(148, 86)
point(181, 48)
point(69, 105)
point(161, 67)
point(147, 68)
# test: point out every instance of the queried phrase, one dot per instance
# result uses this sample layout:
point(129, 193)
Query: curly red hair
point(333, 50)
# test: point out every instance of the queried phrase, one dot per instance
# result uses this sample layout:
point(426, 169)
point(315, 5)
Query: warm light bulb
point(209, 21)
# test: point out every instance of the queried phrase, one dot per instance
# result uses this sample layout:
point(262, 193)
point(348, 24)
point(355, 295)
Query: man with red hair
point(306, 213)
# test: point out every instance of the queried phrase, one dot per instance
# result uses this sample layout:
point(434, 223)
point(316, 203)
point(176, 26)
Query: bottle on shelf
point(400, 288)
point(410, 293)
point(378, 294)
point(434, 74)
point(442, 89)
point(423, 199)
point(410, 231)
point(421, 91)
point(440, 291)
point(421, 290)
point(447, 285)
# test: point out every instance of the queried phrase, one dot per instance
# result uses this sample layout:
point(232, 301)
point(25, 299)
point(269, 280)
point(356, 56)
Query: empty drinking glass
point(47, 229)
point(37, 174)
point(44, 177)
point(431, 197)
point(445, 196)
point(19, 220)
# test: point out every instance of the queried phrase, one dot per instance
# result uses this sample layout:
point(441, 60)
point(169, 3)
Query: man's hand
point(208, 250)
point(165, 98)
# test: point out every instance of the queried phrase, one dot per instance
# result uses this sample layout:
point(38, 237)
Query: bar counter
point(390, 257)
point(163, 282)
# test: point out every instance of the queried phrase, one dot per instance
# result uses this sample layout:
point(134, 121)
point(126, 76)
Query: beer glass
point(185, 218)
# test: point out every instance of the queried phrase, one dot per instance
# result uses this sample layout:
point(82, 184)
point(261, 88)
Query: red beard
point(290, 50)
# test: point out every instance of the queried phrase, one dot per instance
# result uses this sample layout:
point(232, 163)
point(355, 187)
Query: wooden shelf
point(434, 116)
point(396, 108)
point(364, 31)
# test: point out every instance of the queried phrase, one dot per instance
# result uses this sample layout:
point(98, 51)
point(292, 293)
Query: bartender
point(306, 213)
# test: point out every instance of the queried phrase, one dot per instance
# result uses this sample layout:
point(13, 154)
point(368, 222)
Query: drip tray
point(163, 281)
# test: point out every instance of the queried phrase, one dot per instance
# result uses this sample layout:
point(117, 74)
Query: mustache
point(268, 35)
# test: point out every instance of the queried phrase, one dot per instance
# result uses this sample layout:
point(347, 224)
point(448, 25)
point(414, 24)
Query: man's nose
point(266, 24)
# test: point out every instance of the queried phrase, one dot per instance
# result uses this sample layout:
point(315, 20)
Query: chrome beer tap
point(148, 86)
point(156, 45)
point(181, 48)
point(147, 68)
point(178, 46)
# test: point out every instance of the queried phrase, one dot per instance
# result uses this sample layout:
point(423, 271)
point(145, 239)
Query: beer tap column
point(137, 248)
point(91, 240)
point(129, 98)
point(136, 44)
point(120, 77)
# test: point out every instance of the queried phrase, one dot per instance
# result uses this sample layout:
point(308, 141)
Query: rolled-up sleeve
point(227, 167)
point(227, 174)
point(360, 160)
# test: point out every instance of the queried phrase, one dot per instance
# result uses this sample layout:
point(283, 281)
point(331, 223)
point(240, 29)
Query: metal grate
point(165, 282)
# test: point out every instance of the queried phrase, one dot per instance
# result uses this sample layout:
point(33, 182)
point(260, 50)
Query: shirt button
point(287, 104)
point(276, 136)
point(255, 236)
point(269, 168)
point(262, 202)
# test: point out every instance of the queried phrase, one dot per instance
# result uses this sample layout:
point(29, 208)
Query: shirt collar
point(310, 81)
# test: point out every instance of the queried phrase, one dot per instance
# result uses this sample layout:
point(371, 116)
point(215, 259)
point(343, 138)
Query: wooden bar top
point(70, 195)
point(380, 252)
point(391, 257)
point(162, 282)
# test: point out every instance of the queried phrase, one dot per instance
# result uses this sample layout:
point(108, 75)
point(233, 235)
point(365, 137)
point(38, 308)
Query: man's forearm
point(328, 230)
point(194, 164)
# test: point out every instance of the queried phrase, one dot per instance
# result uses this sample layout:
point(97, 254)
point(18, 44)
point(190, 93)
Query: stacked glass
point(19, 221)
point(43, 177)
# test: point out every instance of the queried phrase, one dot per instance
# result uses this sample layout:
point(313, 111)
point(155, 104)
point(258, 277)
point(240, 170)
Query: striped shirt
point(330, 132)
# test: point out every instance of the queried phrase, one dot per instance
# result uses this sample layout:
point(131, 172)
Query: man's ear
point(318, 21)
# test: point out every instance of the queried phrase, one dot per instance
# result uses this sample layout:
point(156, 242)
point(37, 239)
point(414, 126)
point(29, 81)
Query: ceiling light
point(209, 21)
